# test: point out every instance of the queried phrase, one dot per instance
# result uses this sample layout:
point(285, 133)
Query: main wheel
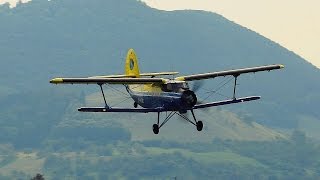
point(135, 104)
point(155, 128)
point(199, 125)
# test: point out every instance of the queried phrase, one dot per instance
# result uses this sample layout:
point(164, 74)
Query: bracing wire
point(126, 99)
point(117, 90)
point(215, 91)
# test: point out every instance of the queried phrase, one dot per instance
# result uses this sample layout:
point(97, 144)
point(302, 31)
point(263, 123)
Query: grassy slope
point(209, 157)
point(32, 164)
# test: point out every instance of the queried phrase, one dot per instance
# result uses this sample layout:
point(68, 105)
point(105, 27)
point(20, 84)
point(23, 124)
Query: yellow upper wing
point(234, 72)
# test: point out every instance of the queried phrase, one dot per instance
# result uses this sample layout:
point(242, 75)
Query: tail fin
point(131, 66)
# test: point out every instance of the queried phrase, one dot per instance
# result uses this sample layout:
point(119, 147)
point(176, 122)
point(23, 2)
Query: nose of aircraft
point(189, 98)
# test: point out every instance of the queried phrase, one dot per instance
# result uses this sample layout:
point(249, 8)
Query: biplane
point(151, 92)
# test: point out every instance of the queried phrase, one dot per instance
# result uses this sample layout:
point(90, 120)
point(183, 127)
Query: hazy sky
point(295, 24)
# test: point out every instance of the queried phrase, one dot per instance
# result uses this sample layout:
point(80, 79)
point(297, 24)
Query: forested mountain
point(45, 39)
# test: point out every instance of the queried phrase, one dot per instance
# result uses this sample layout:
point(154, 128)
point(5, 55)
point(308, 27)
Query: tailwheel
point(199, 125)
point(155, 129)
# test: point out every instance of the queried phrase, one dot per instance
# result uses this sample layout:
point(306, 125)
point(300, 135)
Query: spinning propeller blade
point(197, 85)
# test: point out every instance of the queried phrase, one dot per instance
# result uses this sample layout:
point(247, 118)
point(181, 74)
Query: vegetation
point(38, 177)
point(296, 158)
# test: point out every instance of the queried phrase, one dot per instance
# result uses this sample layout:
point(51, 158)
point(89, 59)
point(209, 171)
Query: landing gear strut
point(156, 127)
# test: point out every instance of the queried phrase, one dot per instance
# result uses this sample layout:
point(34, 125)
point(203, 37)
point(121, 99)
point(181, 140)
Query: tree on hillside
point(38, 177)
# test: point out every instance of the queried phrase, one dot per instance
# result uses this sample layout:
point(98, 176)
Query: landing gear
point(155, 128)
point(135, 104)
point(199, 125)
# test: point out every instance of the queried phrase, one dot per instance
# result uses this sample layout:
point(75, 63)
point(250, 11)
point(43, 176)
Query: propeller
point(196, 85)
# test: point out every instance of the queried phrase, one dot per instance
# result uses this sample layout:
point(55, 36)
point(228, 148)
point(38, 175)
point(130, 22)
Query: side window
point(166, 87)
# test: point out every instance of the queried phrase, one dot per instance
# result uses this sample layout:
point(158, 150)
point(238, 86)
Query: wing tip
point(56, 80)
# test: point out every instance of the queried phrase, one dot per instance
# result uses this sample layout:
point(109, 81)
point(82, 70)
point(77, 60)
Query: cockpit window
point(175, 87)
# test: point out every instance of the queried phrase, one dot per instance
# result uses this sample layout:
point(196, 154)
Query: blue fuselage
point(171, 101)
point(167, 100)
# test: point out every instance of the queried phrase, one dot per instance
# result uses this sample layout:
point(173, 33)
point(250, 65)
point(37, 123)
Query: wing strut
point(235, 85)
point(194, 117)
point(104, 98)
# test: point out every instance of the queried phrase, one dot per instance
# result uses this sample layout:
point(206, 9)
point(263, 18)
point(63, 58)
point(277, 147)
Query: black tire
point(155, 129)
point(199, 125)
point(135, 104)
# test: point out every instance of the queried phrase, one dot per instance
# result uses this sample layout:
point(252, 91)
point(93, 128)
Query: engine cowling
point(189, 98)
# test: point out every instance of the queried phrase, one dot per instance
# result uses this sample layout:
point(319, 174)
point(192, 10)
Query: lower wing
point(147, 110)
point(225, 102)
point(118, 109)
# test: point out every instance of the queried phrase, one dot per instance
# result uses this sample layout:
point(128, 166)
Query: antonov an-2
point(154, 94)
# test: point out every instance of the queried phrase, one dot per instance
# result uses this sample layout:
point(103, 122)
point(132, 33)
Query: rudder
point(131, 66)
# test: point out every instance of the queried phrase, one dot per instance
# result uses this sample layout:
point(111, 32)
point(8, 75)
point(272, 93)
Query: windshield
point(175, 87)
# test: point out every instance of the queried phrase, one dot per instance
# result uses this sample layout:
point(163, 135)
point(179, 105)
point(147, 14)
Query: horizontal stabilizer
point(152, 74)
point(107, 80)
point(159, 74)
point(225, 102)
point(114, 76)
